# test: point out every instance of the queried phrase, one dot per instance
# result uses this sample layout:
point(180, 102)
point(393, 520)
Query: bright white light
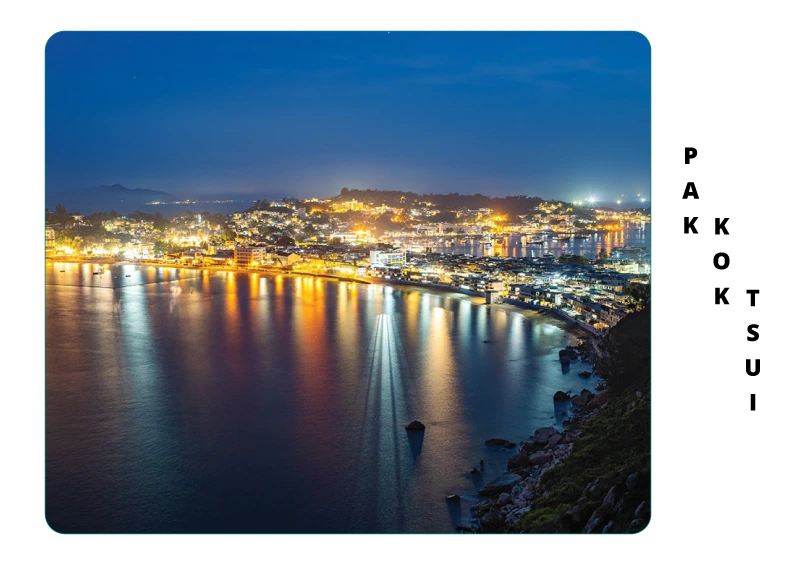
point(642, 200)
point(618, 201)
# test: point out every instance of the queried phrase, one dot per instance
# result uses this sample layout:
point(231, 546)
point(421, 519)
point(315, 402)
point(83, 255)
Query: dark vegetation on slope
point(604, 484)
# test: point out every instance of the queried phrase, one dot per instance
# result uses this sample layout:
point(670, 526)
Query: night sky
point(555, 115)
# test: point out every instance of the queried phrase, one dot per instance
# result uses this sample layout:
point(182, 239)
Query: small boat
point(96, 273)
point(62, 270)
point(128, 276)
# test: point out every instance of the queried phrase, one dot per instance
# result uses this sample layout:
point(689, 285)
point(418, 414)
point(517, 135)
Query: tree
point(159, 222)
point(77, 244)
point(228, 234)
point(269, 230)
point(61, 238)
point(61, 215)
point(573, 259)
point(160, 246)
point(625, 351)
point(639, 293)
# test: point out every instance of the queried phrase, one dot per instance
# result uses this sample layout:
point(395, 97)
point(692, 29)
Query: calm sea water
point(182, 401)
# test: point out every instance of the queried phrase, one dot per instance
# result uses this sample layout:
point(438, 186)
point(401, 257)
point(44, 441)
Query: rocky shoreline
point(512, 494)
point(606, 504)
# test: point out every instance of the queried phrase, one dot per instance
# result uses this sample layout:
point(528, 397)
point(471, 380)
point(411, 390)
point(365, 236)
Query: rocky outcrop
point(500, 485)
point(518, 461)
point(528, 446)
point(415, 426)
point(500, 442)
point(569, 353)
point(561, 396)
point(539, 458)
point(554, 440)
point(616, 503)
point(582, 399)
point(542, 435)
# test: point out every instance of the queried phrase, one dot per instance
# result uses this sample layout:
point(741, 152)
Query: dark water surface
point(184, 401)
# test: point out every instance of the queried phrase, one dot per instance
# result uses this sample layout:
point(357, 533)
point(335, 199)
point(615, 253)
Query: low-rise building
point(386, 258)
point(249, 256)
point(285, 258)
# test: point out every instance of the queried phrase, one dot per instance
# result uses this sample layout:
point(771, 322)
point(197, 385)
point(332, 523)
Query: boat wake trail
point(384, 448)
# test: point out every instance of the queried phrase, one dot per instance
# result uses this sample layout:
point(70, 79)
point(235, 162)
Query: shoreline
point(569, 325)
point(504, 500)
point(573, 326)
point(219, 269)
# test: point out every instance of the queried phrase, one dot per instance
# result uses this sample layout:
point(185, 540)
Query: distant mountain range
point(121, 193)
point(109, 197)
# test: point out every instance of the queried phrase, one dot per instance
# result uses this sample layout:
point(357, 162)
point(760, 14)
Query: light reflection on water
point(189, 402)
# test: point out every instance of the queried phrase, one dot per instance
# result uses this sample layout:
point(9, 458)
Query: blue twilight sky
point(555, 115)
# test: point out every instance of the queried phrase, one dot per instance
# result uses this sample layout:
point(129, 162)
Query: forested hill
point(519, 204)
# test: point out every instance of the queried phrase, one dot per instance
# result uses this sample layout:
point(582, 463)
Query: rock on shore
point(501, 442)
point(541, 436)
point(500, 485)
point(511, 495)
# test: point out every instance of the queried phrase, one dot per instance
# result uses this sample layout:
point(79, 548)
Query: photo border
point(654, 33)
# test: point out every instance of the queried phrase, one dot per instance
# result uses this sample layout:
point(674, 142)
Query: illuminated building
point(390, 258)
point(246, 256)
point(285, 258)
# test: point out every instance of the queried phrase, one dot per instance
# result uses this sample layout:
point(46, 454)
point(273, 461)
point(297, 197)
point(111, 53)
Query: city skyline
point(554, 115)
